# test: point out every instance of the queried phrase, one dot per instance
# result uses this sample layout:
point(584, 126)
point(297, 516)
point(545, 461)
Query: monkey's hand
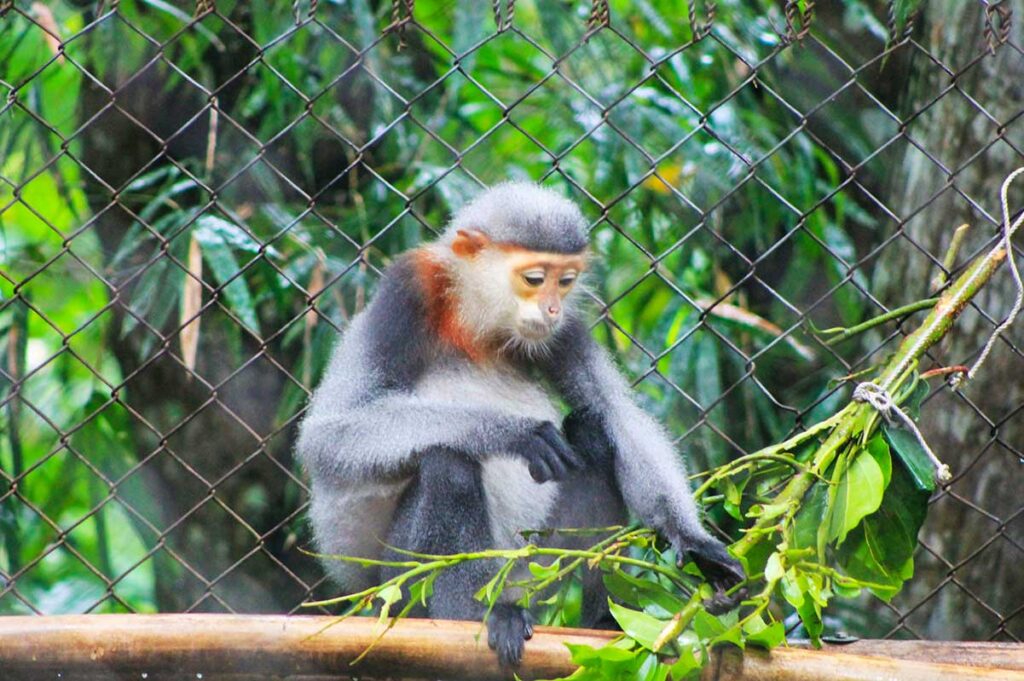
point(587, 433)
point(508, 628)
point(720, 569)
point(546, 452)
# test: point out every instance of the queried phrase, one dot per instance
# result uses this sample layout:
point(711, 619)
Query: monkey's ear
point(469, 242)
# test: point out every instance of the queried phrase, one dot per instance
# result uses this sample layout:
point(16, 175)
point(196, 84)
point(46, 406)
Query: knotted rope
point(881, 400)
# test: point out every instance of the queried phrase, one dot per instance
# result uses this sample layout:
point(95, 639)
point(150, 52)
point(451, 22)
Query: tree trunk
point(968, 582)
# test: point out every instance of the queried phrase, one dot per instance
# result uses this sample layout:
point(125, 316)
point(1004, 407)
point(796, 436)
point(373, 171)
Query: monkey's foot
point(508, 629)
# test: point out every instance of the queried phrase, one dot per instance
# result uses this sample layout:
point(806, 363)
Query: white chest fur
point(502, 390)
point(515, 501)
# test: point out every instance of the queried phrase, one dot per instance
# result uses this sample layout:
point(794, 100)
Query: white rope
point(881, 400)
point(1008, 229)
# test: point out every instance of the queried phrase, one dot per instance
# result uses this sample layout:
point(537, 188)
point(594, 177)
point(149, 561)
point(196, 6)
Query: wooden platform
point(236, 647)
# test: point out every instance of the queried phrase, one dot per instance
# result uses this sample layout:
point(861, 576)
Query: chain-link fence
point(195, 198)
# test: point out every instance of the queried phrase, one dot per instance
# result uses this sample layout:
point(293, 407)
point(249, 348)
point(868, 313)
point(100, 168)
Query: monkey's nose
point(553, 311)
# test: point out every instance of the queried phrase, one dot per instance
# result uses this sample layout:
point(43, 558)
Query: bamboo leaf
point(191, 303)
point(217, 237)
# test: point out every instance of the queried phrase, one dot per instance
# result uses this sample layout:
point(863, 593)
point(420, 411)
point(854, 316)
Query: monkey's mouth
point(534, 330)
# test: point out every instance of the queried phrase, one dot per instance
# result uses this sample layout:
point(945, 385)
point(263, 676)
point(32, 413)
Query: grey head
point(524, 214)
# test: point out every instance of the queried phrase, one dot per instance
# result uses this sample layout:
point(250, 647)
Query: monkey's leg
point(589, 499)
point(444, 511)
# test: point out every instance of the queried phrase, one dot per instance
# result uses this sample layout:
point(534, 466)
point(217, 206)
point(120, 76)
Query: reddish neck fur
point(442, 310)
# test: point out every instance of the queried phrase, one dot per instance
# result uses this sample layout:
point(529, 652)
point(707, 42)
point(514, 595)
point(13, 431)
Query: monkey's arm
point(650, 473)
point(381, 439)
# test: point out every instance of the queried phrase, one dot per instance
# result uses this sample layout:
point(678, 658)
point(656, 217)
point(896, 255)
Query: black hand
point(587, 433)
point(719, 568)
point(508, 629)
point(548, 455)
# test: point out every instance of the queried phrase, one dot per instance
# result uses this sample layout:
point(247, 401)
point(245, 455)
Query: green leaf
point(686, 665)
point(544, 571)
point(795, 588)
point(810, 615)
point(812, 516)
point(733, 496)
point(880, 551)
point(913, 456)
point(764, 635)
point(617, 660)
point(707, 627)
point(912, 402)
point(587, 655)
point(639, 626)
point(389, 595)
point(879, 450)
point(651, 669)
point(643, 592)
point(860, 489)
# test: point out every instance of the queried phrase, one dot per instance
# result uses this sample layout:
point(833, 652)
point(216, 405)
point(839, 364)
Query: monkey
point(436, 428)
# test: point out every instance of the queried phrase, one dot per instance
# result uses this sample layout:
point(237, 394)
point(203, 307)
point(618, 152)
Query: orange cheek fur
point(438, 291)
point(442, 314)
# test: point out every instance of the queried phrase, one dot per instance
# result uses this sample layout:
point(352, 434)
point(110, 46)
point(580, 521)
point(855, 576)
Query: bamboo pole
point(237, 647)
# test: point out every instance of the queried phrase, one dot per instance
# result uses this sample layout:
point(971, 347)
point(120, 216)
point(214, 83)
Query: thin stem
point(744, 462)
point(846, 333)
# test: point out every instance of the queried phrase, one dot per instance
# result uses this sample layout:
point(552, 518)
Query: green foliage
point(333, 152)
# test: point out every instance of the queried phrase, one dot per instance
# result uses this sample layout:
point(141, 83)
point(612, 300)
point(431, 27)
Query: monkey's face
point(518, 293)
point(540, 283)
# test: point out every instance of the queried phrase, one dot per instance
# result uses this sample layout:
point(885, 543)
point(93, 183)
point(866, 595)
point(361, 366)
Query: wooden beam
point(834, 664)
point(39, 647)
point(252, 647)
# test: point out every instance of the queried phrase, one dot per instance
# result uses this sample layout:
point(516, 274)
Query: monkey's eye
point(533, 278)
point(567, 280)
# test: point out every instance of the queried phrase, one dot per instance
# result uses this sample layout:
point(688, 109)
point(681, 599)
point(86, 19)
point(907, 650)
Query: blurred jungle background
point(196, 197)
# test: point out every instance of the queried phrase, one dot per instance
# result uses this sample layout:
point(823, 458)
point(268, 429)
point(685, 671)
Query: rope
point(1008, 230)
point(698, 30)
point(504, 23)
point(401, 15)
point(297, 10)
point(600, 15)
point(794, 15)
point(204, 7)
point(997, 35)
point(877, 397)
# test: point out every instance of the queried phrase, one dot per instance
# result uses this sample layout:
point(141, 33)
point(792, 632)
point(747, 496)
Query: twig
point(949, 260)
point(846, 333)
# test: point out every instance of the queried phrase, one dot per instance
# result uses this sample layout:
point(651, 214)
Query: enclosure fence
point(194, 201)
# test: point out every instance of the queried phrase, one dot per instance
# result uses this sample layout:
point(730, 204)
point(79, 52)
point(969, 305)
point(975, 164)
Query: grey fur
point(524, 214)
point(396, 404)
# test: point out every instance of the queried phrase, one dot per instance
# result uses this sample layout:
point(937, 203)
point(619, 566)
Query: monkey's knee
point(452, 475)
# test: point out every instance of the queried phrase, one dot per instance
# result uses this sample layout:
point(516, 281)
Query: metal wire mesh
point(235, 178)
